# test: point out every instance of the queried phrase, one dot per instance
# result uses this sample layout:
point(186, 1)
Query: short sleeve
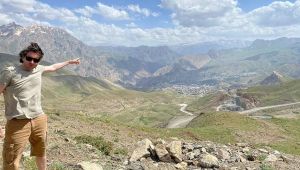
point(6, 75)
point(40, 68)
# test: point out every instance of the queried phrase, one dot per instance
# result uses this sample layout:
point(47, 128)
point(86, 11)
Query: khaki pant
point(17, 134)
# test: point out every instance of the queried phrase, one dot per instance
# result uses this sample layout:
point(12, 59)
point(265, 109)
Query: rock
point(90, 166)
point(246, 150)
point(241, 144)
point(203, 150)
point(240, 159)
point(135, 166)
point(175, 151)
point(188, 147)
point(197, 146)
point(190, 155)
point(208, 155)
point(285, 158)
point(196, 152)
point(209, 161)
point(275, 152)
point(263, 150)
point(126, 162)
point(271, 158)
point(162, 153)
point(159, 141)
point(142, 150)
point(181, 166)
point(222, 154)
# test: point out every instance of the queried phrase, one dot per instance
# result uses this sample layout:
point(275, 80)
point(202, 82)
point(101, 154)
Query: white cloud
point(30, 12)
point(204, 13)
point(44, 11)
point(197, 21)
point(277, 14)
point(18, 5)
point(131, 25)
point(111, 12)
point(144, 11)
point(86, 11)
point(4, 19)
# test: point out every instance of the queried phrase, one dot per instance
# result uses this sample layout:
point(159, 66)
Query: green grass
point(230, 120)
point(266, 167)
point(29, 163)
point(204, 103)
point(98, 142)
point(216, 126)
point(272, 95)
point(291, 129)
point(57, 166)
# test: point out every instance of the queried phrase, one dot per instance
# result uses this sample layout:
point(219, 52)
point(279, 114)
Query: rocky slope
point(179, 154)
point(274, 79)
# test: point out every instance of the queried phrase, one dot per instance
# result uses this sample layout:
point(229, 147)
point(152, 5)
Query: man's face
point(31, 60)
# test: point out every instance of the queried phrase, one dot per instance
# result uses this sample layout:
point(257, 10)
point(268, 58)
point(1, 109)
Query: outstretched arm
point(57, 66)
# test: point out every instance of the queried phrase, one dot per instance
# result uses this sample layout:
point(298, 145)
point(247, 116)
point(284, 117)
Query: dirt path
point(181, 121)
point(266, 107)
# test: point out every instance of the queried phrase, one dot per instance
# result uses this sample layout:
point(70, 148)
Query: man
point(26, 121)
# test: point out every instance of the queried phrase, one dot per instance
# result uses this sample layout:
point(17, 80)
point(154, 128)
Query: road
point(181, 121)
point(266, 107)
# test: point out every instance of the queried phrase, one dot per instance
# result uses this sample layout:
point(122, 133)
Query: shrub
point(98, 142)
point(29, 163)
point(57, 166)
point(120, 151)
point(266, 167)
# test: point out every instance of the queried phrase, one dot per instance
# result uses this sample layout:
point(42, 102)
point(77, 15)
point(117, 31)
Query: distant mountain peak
point(273, 79)
point(276, 74)
point(9, 29)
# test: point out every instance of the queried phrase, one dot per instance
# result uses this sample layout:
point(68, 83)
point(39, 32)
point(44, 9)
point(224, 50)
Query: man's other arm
point(57, 66)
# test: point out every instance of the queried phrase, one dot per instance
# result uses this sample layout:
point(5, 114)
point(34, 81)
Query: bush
point(98, 142)
point(266, 167)
point(57, 166)
point(29, 163)
point(120, 151)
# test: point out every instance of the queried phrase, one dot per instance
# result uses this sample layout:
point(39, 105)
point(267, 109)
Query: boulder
point(175, 150)
point(209, 161)
point(162, 153)
point(143, 149)
point(90, 166)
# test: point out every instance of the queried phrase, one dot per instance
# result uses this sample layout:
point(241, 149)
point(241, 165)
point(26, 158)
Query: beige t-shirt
point(22, 94)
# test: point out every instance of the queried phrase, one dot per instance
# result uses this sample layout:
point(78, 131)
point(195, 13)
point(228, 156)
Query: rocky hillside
point(274, 79)
point(117, 64)
point(182, 155)
point(159, 67)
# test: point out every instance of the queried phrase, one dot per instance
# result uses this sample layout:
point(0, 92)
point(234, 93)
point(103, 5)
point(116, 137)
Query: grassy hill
point(287, 92)
point(101, 98)
point(79, 106)
point(66, 92)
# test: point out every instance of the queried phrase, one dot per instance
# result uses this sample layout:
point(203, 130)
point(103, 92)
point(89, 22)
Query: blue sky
point(158, 22)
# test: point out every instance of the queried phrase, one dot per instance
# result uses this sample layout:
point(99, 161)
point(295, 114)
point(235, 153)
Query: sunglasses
point(35, 60)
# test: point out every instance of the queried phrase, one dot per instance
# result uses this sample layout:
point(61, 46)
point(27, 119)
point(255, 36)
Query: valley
point(121, 95)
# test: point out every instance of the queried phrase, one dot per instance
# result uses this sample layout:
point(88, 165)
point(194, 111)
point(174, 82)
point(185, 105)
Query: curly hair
point(33, 47)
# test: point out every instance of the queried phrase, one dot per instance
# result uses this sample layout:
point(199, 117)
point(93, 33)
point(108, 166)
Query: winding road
point(266, 107)
point(181, 121)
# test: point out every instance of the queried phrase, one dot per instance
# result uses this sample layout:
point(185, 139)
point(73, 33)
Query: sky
point(158, 22)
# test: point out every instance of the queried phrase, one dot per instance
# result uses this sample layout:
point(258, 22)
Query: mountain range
point(223, 64)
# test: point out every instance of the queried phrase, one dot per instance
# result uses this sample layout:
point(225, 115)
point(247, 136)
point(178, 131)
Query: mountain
point(9, 29)
point(125, 65)
point(147, 67)
point(205, 47)
point(274, 79)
